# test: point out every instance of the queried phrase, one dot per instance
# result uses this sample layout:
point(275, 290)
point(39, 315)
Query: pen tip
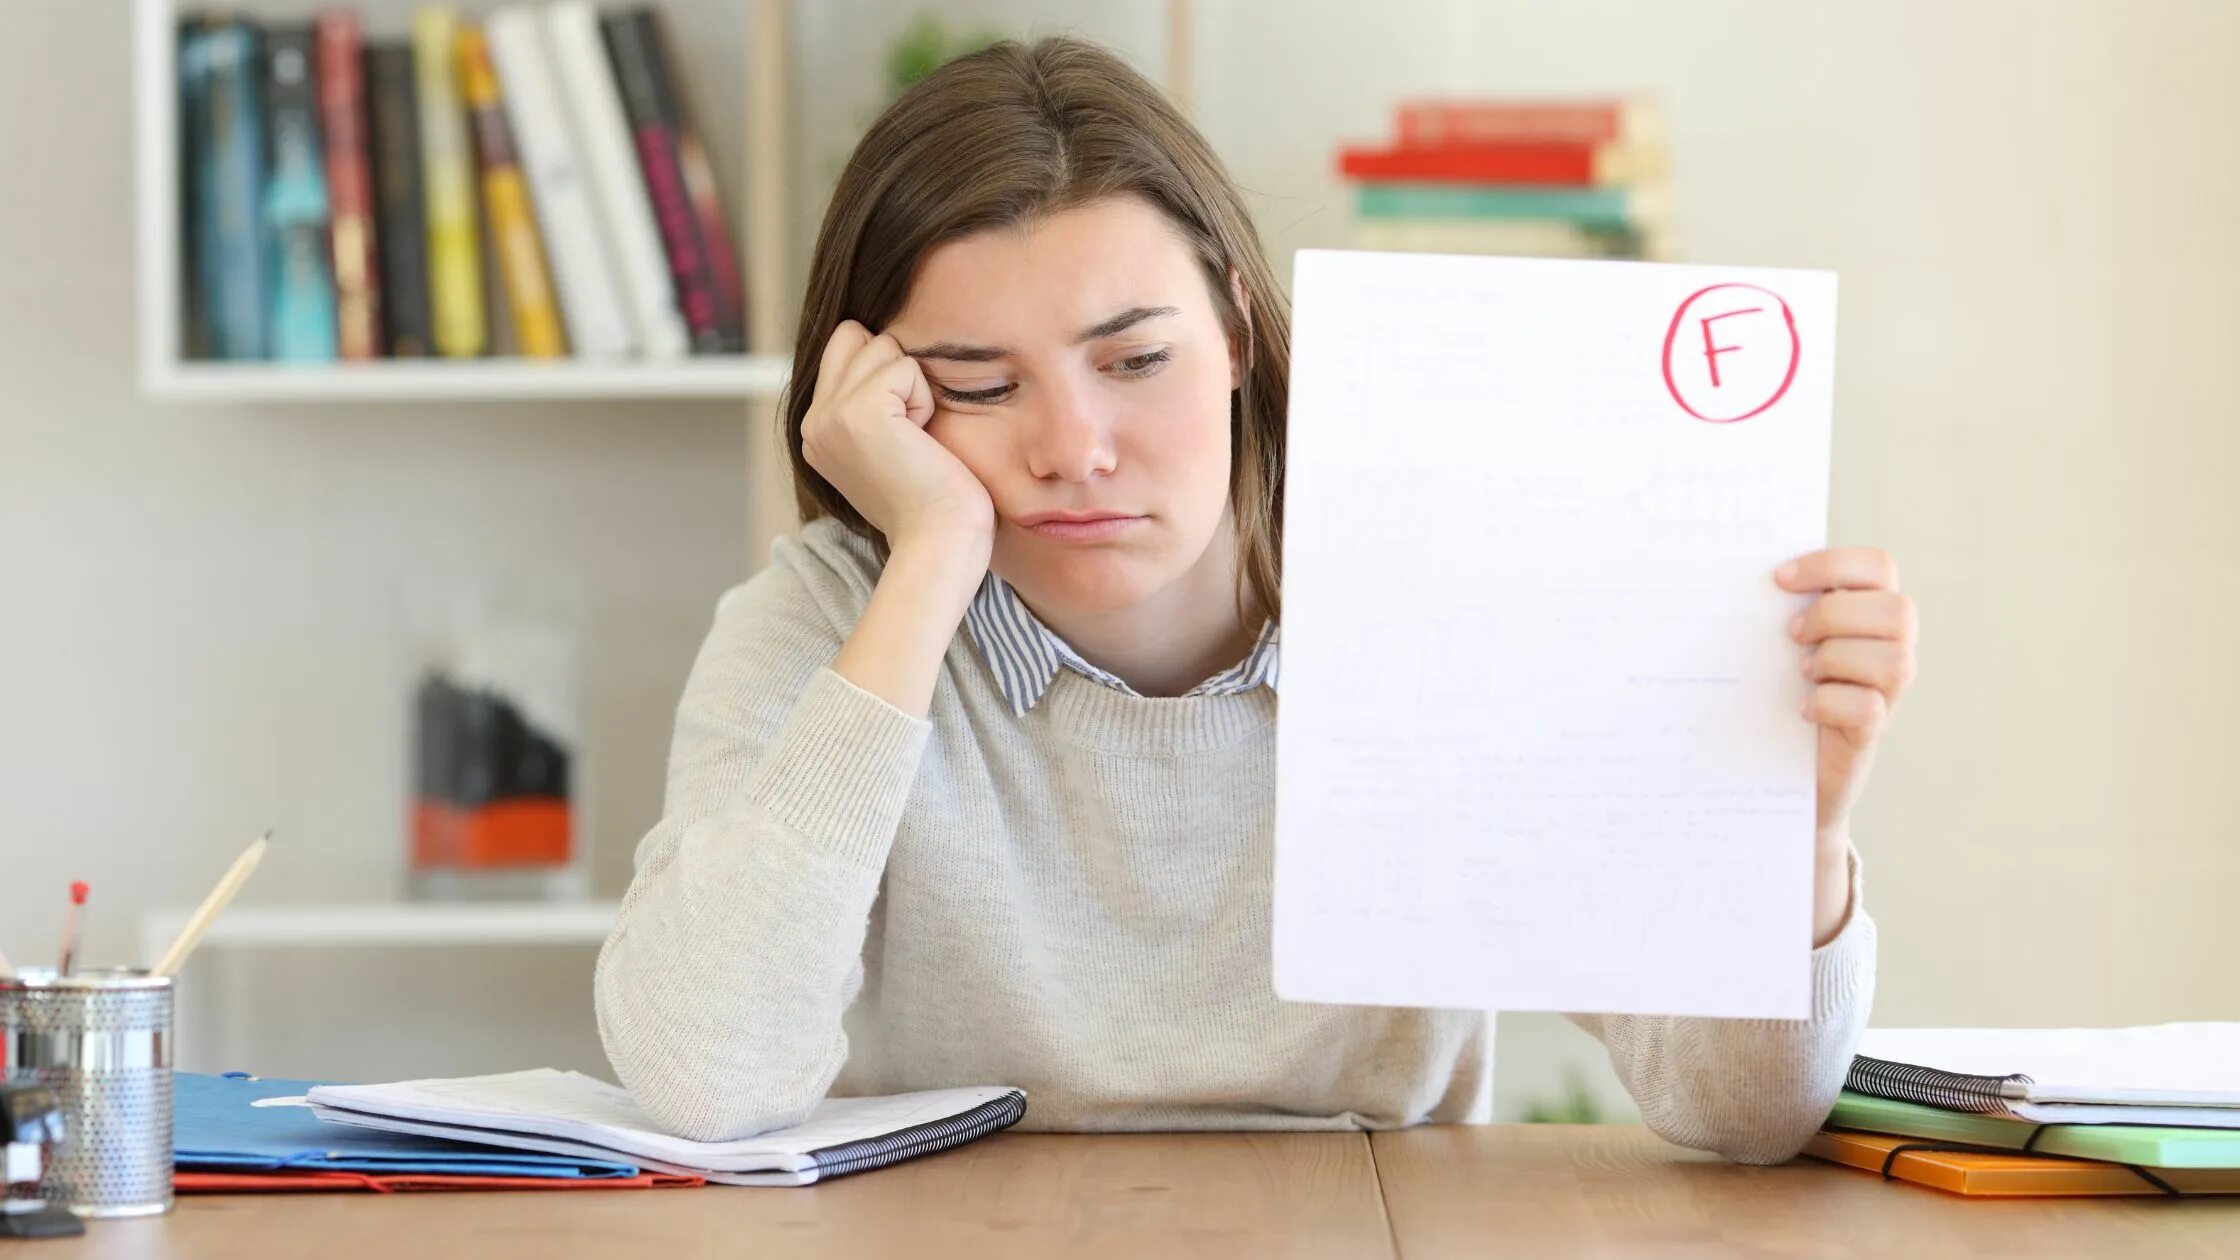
point(78, 893)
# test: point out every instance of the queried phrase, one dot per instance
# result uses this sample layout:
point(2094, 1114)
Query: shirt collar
point(1024, 655)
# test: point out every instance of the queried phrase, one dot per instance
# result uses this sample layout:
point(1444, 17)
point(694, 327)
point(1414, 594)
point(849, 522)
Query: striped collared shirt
point(1024, 655)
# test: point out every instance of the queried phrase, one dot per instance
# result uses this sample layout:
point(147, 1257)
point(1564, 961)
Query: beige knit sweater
point(840, 897)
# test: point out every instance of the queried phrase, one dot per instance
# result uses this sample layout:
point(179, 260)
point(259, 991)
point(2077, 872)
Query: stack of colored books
point(2043, 1112)
point(533, 185)
point(1516, 177)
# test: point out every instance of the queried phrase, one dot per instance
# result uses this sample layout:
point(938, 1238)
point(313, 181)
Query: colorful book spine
point(1592, 209)
point(295, 202)
point(352, 245)
point(700, 186)
point(447, 180)
point(194, 158)
point(1568, 165)
point(1435, 123)
point(582, 275)
point(610, 159)
point(505, 197)
point(393, 117)
point(635, 53)
point(235, 254)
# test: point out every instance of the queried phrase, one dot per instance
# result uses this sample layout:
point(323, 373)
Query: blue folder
point(218, 1127)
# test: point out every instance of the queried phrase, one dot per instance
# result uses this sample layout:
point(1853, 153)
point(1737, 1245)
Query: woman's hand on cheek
point(865, 433)
point(1861, 631)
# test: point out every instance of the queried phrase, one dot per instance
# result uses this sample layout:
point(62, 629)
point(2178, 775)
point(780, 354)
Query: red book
point(649, 104)
point(1569, 165)
point(1430, 124)
point(700, 186)
point(342, 116)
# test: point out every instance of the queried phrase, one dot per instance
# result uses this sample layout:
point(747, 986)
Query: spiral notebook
point(2161, 1074)
point(568, 1113)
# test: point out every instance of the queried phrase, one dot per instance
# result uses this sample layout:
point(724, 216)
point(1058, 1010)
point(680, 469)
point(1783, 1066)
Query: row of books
point(1578, 178)
point(2020, 1112)
point(534, 185)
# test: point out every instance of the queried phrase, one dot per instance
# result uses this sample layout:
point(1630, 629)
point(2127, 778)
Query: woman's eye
point(1134, 365)
point(1142, 364)
point(994, 394)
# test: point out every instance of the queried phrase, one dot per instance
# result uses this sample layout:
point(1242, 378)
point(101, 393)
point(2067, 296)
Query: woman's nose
point(1071, 441)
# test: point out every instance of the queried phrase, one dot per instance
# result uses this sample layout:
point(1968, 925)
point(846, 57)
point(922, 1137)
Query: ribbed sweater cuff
point(840, 770)
point(1844, 966)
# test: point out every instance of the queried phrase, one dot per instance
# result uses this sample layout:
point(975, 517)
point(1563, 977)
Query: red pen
point(78, 893)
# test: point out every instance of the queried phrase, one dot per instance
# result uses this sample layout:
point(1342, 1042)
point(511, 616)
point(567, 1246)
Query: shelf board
point(398, 923)
point(387, 380)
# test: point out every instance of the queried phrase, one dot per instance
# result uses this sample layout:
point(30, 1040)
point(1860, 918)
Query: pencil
point(212, 906)
point(78, 893)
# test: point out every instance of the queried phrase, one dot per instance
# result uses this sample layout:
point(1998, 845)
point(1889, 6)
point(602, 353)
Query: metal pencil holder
point(101, 1040)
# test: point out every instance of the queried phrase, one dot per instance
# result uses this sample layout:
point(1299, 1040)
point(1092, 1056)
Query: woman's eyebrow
point(959, 352)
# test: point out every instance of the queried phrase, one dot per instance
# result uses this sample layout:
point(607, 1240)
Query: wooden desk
point(1511, 1190)
point(1153, 1195)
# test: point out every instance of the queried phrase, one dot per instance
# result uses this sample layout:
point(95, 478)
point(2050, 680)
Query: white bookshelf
point(389, 924)
point(166, 376)
point(728, 376)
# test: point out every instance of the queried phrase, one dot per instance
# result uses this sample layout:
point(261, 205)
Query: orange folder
point(321, 1179)
point(2011, 1174)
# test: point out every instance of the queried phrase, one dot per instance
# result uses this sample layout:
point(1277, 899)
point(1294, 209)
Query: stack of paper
point(567, 1113)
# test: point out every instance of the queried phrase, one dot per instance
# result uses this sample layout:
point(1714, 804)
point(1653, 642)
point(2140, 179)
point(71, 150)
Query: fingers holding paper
point(1859, 632)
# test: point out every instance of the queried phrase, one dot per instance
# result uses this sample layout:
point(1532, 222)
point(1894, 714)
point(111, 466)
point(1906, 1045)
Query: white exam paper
point(1539, 745)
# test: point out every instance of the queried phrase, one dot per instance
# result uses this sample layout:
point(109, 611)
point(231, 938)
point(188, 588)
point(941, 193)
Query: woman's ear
point(1244, 308)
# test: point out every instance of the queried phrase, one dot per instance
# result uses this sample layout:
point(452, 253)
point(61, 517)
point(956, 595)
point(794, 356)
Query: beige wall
point(2030, 205)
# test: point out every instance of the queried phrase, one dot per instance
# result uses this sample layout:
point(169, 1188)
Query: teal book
point(300, 308)
point(2148, 1146)
point(1594, 209)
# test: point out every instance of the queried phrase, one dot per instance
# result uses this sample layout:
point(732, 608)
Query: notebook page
point(1540, 746)
point(2180, 1063)
point(795, 1170)
point(582, 1108)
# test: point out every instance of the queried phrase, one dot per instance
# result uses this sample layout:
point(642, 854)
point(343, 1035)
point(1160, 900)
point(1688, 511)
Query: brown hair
point(1013, 133)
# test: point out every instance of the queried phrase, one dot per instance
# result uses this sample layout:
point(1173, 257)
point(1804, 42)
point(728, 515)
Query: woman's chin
point(1086, 584)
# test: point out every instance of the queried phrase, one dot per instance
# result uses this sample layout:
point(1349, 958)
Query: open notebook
point(2162, 1074)
point(568, 1113)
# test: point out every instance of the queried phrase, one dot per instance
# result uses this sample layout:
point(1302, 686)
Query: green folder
point(2149, 1146)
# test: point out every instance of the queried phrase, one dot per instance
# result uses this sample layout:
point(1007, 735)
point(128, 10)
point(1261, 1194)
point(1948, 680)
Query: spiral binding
point(1954, 1091)
point(920, 1139)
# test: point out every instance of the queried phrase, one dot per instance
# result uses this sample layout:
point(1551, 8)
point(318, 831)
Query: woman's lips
point(1086, 531)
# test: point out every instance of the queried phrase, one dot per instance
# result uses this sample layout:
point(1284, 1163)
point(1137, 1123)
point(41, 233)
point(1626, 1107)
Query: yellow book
point(447, 175)
point(505, 195)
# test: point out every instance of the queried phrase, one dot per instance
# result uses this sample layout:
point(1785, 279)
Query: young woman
point(974, 783)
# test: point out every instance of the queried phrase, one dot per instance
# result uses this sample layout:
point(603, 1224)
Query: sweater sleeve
point(1753, 1090)
point(740, 941)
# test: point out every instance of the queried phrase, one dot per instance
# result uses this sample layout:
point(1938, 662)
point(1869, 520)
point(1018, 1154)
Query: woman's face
point(1078, 368)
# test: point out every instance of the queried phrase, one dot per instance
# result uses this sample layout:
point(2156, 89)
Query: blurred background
point(428, 618)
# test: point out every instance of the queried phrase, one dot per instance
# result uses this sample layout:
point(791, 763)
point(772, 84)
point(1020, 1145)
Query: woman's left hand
point(1861, 633)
